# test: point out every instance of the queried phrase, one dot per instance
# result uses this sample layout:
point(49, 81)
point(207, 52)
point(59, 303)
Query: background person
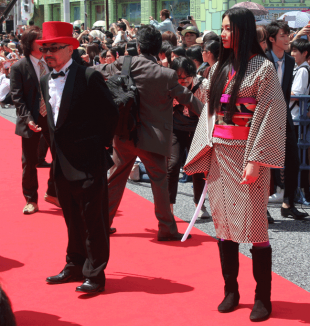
point(300, 51)
point(278, 42)
point(157, 87)
point(184, 126)
point(31, 118)
point(210, 55)
point(190, 34)
point(177, 51)
point(262, 36)
point(166, 23)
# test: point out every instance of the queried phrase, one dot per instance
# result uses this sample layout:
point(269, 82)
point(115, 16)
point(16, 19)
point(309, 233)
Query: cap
point(190, 29)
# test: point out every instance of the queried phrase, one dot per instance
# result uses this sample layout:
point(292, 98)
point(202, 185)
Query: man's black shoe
point(293, 212)
point(112, 230)
point(176, 237)
point(44, 164)
point(90, 287)
point(64, 277)
point(270, 219)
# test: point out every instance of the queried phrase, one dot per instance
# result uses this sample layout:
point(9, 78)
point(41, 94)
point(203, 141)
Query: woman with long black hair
point(240, 135)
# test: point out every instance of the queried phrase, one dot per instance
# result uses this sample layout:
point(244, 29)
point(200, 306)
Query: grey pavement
point(290, 239)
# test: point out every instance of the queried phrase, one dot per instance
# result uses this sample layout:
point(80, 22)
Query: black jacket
point(86, 123)
point(25, 95)
point(286, 85)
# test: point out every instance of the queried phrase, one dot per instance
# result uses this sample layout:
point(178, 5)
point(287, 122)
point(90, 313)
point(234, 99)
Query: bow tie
point(61, 73)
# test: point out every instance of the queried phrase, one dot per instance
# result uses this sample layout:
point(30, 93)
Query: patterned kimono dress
point(254, 133)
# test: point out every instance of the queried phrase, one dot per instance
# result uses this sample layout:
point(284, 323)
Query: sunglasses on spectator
point(52, 48)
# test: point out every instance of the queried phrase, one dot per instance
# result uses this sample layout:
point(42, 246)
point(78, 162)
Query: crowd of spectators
point(200, 48)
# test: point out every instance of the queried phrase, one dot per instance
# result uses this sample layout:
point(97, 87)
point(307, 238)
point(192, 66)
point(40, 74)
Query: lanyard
point(232, 74)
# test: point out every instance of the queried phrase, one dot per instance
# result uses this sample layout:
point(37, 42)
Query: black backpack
point(126, 96)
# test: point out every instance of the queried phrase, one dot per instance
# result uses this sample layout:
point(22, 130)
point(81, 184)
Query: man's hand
point(250, 173)
point(151, 18)
point(85, 57)
point(32, 126)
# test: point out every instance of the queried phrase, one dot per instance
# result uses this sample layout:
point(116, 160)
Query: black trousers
point(291, 168)
point(86, 211)
point(124, 156)
point(42, 150)
point(30, 160)
point(181, 140)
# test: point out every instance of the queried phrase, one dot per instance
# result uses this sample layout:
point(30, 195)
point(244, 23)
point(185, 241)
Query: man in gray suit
point(157, 87)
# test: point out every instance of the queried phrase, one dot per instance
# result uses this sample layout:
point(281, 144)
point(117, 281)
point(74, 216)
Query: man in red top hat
point(80, 127)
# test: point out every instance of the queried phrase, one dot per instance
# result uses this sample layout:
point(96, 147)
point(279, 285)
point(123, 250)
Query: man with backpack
point(157, 87)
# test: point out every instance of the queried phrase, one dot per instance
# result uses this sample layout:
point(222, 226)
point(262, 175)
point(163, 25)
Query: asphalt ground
point(290, 239)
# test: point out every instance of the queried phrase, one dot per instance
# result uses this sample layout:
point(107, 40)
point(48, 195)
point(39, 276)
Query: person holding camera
point(121, 32)
point(166, 23)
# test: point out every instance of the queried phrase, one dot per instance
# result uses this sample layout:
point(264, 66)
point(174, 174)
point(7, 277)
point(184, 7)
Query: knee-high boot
point(229, 255)
point(262, 275)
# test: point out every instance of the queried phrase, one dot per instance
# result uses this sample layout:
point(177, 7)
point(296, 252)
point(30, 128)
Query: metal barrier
point(302, 143)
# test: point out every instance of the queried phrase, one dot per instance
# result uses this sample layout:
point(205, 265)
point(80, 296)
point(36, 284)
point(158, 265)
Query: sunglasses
point(52, 48)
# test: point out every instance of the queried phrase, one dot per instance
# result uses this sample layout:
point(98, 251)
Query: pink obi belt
point(236, 126)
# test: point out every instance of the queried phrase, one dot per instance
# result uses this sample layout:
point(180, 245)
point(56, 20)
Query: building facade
point(207, 13)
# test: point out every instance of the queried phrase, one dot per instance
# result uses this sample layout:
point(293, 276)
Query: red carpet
point(148, 283)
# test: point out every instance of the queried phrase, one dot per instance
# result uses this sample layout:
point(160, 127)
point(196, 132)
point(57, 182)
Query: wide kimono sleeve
point(199, 156)
point(266, 141)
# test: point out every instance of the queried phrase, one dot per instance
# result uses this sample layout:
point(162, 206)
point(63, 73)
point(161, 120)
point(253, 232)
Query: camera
point(189, 17)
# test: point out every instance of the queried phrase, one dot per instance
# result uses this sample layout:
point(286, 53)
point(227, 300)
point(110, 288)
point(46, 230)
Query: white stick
point(194, 218)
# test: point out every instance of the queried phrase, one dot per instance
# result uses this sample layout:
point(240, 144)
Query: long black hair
point(243, 28)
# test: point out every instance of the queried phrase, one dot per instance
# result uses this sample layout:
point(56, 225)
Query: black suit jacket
point(86, 123)
point(286, 85)
point(25, 95)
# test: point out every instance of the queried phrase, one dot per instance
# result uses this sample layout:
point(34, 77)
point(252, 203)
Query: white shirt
point(36, 66)
point(164, 26)
point(56, 87)
point(119, 39)
point(299, 86)
point(4, 88)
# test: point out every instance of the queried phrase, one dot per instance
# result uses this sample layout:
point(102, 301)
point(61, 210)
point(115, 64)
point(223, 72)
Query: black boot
point(262, 274)
point(229, 254)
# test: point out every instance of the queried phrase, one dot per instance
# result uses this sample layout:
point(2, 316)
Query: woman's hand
point(250, 173)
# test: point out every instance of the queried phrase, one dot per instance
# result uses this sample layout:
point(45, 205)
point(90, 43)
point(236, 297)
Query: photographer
point(121, 33)
point(166, 24)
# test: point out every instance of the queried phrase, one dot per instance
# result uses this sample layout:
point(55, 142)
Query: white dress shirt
point(4, 88)
point(119, 38)
point(36, 66)
point(164, 26)
point(299, 86)
point(56, 87)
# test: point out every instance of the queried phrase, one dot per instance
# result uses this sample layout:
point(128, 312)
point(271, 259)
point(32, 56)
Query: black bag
point(126, 96)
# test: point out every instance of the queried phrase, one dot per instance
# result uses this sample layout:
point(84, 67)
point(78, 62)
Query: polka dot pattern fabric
point(266, 141)
point(238, 211)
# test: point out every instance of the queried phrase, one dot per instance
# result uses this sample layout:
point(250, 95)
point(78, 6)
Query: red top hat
point(58, 32)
